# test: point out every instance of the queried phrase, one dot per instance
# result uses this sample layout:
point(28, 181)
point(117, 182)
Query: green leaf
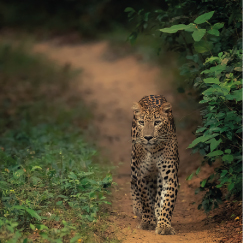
point(191, 27)
point(190, 176)
point(237, 95)
point(198, 34)
point(33, 213)
point(203, 18)
point(174, 28)
point(198, 170)
point(146, 16)
point(203, 101)
point(32, 226)
point(203, 46)
point(227, 151)
point(203, 183)
point(19, 207)
point(213, 32)
point(106, 202)
point(84, 174)
point(224, 172)
point(215, 89)
point(14, 224)
point(140, 11)
point(44, 236)
point(211, 81)
point(72, 176)
point(41, 227)
point(218, 186)
point(217, 69)
point(132, 38)
point(86, 208)
point(212, 59)
point(214, 144)
point(59, 203)
point(36, 167)
point(129, 9)
point(215, 153)
point(202, 139)
point(228, 157)
point(231, 186)
point(62, 196)
point(92, 194)
point(201, 129)
point(218, 26)
point(220, 54)
point(11, 229)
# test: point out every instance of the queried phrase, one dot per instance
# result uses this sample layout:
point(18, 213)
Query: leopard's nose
point(148, 137)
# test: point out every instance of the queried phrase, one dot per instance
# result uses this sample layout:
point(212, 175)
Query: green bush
point(220, 135)
point(208, 34)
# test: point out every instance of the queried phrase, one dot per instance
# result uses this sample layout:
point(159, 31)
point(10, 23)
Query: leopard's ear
point(136, 107)
point(166, 107)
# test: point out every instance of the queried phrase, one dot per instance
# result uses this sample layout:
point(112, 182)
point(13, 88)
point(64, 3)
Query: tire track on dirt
point(113, 85)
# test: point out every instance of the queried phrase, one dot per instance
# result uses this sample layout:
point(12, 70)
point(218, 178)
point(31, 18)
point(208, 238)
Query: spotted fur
point(154, 164)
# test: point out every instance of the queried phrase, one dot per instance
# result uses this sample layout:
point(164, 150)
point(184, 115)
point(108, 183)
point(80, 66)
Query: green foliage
point(209, 35)
point(222, 119)
point(50, 187)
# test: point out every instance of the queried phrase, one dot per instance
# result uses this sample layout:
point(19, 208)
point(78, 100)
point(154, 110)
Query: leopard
point(154, 164)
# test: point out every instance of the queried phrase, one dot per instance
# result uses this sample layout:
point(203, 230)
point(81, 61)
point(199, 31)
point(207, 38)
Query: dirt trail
point(114, 84)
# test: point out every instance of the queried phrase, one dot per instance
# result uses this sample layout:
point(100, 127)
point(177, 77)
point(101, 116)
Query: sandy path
point(114, 85)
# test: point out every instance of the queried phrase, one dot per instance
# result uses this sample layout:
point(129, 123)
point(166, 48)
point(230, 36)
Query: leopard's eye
point(141, 123)
point(157, 123)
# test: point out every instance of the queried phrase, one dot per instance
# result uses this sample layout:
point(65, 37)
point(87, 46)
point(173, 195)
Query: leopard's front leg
point(135, 190)
point(166, 197)
point(136, 196)
point(147, 199)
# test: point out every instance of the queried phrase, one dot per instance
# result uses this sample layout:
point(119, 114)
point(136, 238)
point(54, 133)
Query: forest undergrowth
point(52, 188)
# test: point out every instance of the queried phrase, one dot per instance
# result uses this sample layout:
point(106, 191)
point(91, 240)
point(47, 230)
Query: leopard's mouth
point(150, 143)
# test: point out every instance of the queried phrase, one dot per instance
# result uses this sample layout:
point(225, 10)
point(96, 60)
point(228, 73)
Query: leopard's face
point(152, 125)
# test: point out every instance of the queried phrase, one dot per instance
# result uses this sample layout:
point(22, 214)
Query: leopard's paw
point(165, 230)
point(137, 212)
point(147, 225)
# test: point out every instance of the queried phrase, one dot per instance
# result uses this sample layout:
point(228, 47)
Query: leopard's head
point(152, 126)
